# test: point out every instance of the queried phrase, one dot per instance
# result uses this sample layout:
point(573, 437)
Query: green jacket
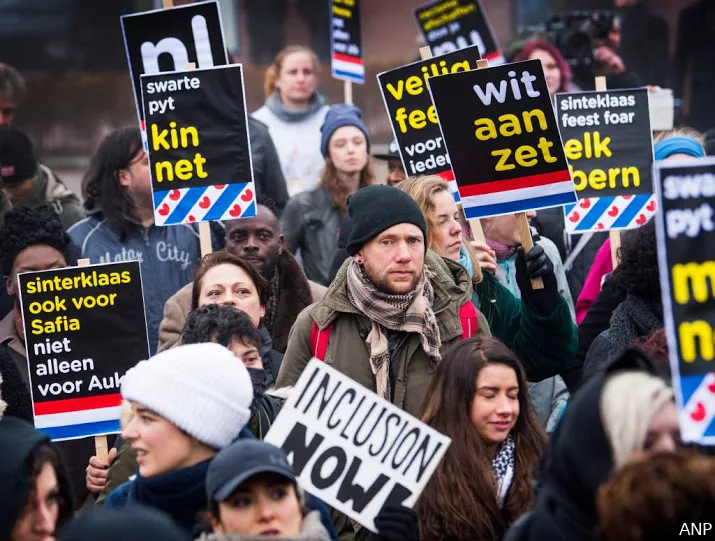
point(347, 351)
point(545, 345)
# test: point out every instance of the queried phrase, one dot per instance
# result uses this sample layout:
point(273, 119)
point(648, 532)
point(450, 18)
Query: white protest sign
point(353, 449)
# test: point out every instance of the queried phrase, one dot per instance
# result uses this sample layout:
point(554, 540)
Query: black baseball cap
point(240, 461)
point(393, 152)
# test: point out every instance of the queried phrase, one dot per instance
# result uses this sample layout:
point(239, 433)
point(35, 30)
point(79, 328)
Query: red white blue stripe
point(79, 417)
point(609, 213)
point(210, 203)
point(495, 58)
point(517, 195)
point(453, 188)
point(348, 67)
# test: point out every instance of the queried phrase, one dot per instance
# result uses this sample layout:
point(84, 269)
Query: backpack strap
point(319, 340)
point(469, 320)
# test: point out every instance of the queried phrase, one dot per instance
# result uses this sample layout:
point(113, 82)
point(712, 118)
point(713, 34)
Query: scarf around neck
point(502, 251)
point(276, 106)
point(409, 312)
point(503, 465)
point(180, 493)
point(466, 261)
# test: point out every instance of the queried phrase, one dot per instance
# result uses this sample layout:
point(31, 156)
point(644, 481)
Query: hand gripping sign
point(198, 145)
point(686, 261)
point(353, 449)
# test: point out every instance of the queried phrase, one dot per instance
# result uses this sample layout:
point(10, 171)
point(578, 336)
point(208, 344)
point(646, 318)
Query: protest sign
point(686, 261)
point(449, 25)
point(198, 146)
point(168, 39)
point(609, 147)
point(346, 41)
point(503, 141)
point(412, 115)
point(84, 328)
point(351, 448)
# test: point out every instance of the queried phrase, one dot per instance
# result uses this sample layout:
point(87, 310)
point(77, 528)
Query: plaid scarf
point(409, 312)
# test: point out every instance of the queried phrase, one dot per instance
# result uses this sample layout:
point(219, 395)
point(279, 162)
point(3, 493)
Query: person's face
point(247, 353)
point(257, 240)
point(503, 228)
point(230, 285)
point(297, 78)
point(395, 172)
point(551, 69)
point(136, 179)
point(678, 156)
point(265, 505)
point(663, 433)
point(394, 260)
point(38, 518)
point(8, 106)
point(495, 408)
point(348, 149)
point(34, 258)
point(446, 216)
point(19, 192)
point(159, 444)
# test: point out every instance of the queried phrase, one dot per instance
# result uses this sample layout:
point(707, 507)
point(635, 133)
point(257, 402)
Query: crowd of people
point(561, 414)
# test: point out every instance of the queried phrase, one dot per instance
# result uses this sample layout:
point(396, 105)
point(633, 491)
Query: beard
point(385, 282)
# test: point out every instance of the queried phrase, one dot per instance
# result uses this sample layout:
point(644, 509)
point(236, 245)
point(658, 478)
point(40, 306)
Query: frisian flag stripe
point(348, 66)
point(70, 432)
point(210, 203)
point(609, 213)
point(697, 415)
point(453, 188)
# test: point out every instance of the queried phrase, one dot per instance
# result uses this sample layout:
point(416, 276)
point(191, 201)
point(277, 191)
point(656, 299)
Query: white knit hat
point(201, 388)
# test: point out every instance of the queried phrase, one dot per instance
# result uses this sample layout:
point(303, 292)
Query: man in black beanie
point(394, 307)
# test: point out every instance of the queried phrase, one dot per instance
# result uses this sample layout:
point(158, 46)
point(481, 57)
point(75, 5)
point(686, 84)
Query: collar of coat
point(293, 284)
point(452, 288)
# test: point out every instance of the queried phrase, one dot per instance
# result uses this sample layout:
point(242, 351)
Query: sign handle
point(166, 4)
point(522, 224)
point(348, 92)
point(101, 447)
point(600, 83)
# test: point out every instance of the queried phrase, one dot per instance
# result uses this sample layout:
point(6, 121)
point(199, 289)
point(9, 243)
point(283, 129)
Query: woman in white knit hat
point(187, 404)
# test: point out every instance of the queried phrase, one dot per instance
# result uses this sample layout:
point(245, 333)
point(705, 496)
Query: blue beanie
point(678, 144)
point(337, 117)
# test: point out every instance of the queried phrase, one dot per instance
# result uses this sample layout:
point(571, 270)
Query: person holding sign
point(479, 398)
point(294, 111)
point(311, 220)
point(412, 304)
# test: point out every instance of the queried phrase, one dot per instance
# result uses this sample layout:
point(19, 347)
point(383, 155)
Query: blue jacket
point(167, 255)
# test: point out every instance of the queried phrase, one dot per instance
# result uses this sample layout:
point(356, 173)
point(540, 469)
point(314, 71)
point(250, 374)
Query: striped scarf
point(409, 312)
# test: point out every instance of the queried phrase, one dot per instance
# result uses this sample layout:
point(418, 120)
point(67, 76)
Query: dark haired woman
point(311, 220)
point(35, 495)
point(479, 398)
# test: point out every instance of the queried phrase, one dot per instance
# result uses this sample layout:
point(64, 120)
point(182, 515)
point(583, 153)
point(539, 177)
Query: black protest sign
point(503, 140)
point(449, 25)
point(199, 154)
point(412, 114)
point(168, 39)
point(607, 141)
point(686, 263)
point(351, 448)
point(84, 328)
point(346, 41)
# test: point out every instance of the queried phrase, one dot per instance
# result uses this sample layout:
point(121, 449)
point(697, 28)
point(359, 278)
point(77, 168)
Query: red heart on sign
point(641, 219)
point(235, 211)
point(699, 413)
point(574, 217)
point(247, 195)
point(627, 197)
point(164, 209)
point(711, 388)
point(205, 203)
point(614, 211)
point(600, 226)
point(585, 203)
point(220, 186)
point(175, 195)
point(191, 218)
point(651, 206)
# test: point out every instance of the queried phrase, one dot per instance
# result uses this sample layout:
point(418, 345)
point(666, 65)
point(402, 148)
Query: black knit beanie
point(24, 227)
point(376, 208)
point(17, 157)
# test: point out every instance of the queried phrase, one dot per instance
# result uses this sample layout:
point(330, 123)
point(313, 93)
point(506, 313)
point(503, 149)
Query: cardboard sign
point(686, 261)
point(412, 115)
point(351, 448)
point(609, 147)
point(502, 137)
point(198, 146)
point(346, 58)
point(84, 328)
point(449, 25)
point(168, 39)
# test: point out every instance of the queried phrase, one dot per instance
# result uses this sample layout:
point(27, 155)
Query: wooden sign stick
point(348, 92)
point(101, 446)
point(614, 236)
